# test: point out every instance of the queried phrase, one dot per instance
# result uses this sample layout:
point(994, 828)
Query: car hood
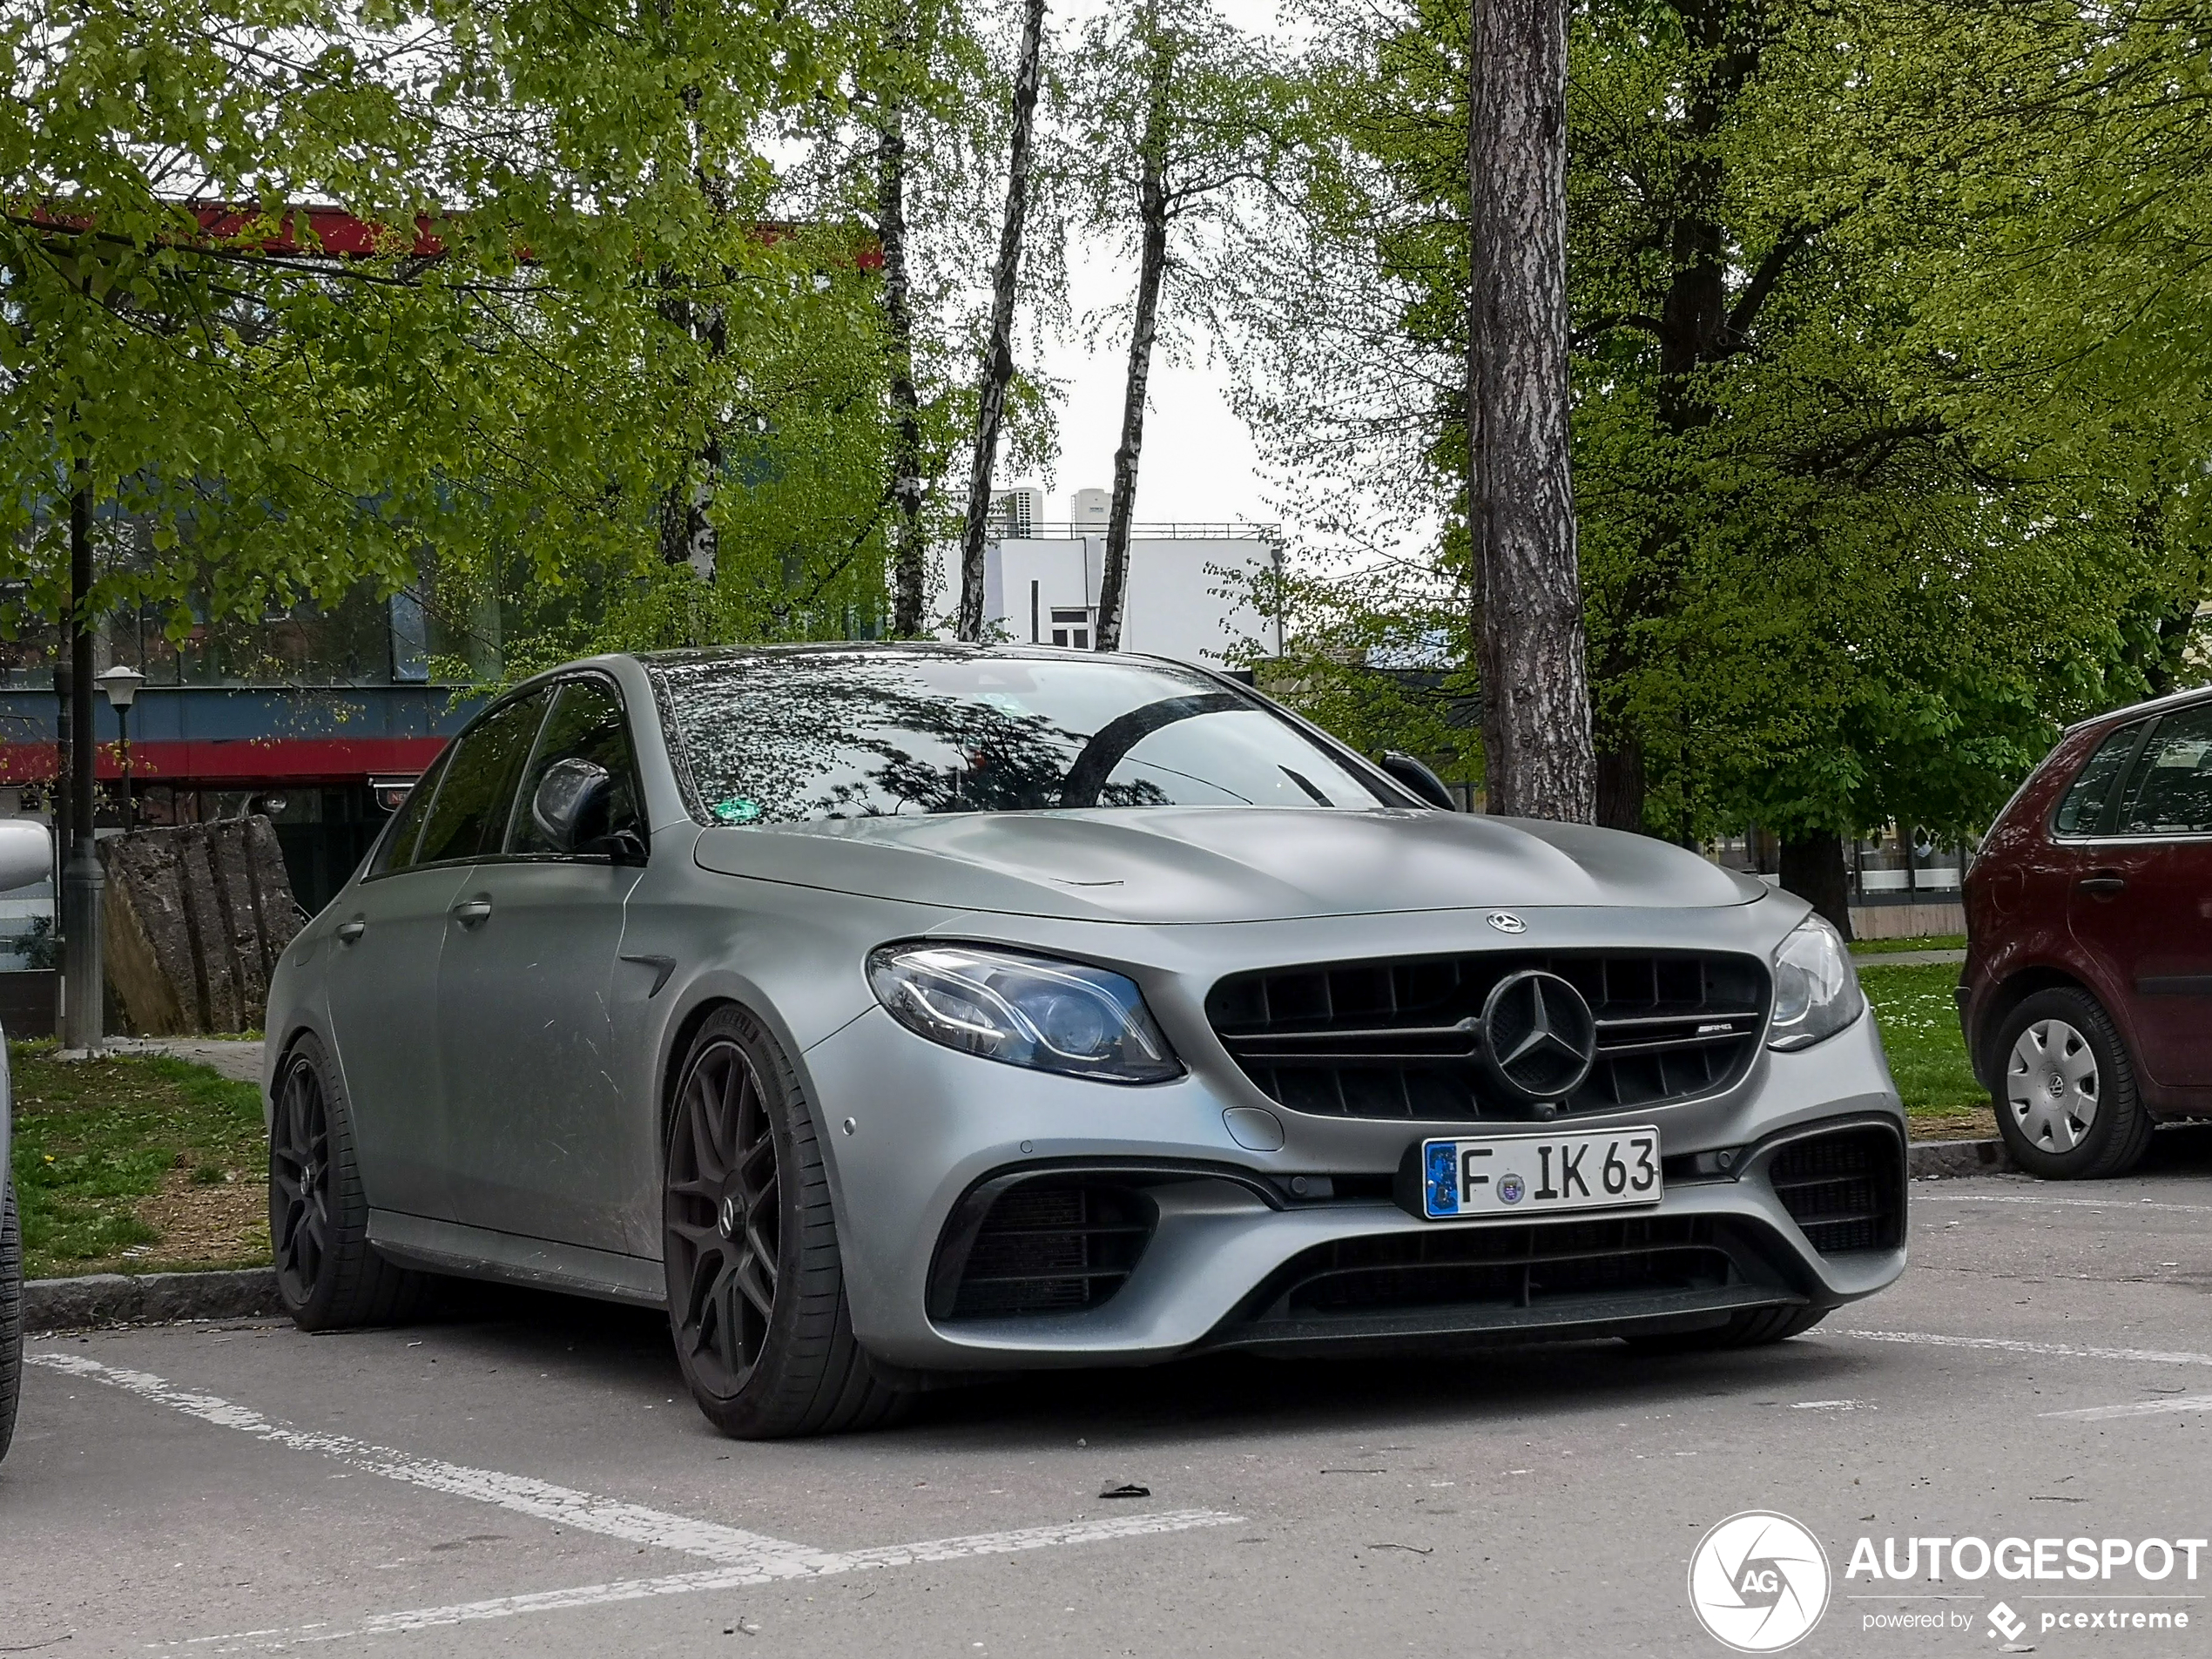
point(1168, 864)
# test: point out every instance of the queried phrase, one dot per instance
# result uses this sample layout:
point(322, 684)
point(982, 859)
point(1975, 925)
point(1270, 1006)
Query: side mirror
point(571, 808)
point(26, 853)
point(1414, 776)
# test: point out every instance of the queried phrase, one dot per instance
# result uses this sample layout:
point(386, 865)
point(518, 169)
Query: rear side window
point(398, 849)
point(2173, 792)
point(586, 723)
point(2089, 802)
point(469, 817)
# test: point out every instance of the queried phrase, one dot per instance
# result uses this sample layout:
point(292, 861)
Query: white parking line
point(581, 1510)
point(2055, 1349)
point(2071, 1204)
point(741, 1558)
point(2140, 1408)
point(824, 1563)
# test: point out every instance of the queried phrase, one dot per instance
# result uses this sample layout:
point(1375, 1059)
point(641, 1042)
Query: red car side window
point(2173, 792)
point(2085, 810)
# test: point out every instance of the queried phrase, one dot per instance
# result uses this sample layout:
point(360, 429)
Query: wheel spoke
point(2078, 1063)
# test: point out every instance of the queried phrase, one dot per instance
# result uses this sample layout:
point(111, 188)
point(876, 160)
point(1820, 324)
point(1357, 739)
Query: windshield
point(780, 739)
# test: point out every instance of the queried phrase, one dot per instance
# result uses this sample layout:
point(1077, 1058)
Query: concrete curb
point(1934, 1160)
point(152, 1298)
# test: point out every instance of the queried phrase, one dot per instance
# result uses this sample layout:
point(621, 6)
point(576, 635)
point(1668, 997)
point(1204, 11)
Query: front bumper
point(1230, 1253)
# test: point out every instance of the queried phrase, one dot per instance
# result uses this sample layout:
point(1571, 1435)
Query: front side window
point(2173, 792)
point(469, 817)
point(2097, 786)
point(586, 723)
point(785, 738)
point(397, 850)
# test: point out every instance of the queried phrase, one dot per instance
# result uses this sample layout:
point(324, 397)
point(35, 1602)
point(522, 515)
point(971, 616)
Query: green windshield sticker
point(738, 809)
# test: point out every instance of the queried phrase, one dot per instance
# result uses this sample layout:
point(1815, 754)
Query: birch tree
point(998, 350)
point(1181, 120)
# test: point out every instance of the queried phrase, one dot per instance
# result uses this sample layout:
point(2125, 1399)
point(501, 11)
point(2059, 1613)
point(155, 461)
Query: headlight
point(1816, 989)
point(1026, 1010)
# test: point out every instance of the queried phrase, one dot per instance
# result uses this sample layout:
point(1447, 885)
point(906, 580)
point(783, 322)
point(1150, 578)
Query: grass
point(1923, 942)
point(1920, 1020)
point(141, 1163)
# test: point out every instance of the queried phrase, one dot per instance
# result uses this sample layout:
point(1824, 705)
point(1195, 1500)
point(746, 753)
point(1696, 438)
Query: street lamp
point(121, 684)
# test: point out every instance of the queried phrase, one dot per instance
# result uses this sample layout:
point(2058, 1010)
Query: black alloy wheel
point(299, 1183)
point(725, 1219)
point(756, 1286)
point(329, 1277)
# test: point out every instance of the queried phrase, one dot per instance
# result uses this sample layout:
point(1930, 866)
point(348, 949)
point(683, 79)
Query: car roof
point(2153, 705)
point(937, 648)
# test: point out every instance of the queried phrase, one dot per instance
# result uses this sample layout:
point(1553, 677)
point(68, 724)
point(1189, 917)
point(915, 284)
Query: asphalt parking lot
point(524, 1475)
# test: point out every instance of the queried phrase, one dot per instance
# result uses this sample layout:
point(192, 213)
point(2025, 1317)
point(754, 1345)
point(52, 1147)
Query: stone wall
point(196, 917)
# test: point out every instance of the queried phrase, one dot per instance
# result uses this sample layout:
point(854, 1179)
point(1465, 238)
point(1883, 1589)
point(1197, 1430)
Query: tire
point(756, 1288)
point(329, 1277)
point(1753, 1328)
point(2066, 1096)
point(11, 1311)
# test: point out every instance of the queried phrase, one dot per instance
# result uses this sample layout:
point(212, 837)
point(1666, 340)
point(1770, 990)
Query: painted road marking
point(2055, 1349)
point(632, 1523)
point(2072, 1204)
point(825, 1563)
point(2140, 1408)
point(742, 1558)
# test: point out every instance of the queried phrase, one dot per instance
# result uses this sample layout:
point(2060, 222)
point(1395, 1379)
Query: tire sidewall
point(791, 1127)
point(316, 1309)
point(2116, 1103)
point(10, 1310)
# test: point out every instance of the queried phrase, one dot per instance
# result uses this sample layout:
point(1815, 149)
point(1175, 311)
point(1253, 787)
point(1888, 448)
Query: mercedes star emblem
point(1538, 1036)
point(1505, 922)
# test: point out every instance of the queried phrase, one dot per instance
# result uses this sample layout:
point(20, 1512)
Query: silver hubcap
point(2051, 1085)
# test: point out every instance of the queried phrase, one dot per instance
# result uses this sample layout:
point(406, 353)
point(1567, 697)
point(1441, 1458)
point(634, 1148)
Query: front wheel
point(756, 1289)
point(2067, 1105)
point(329, 1277)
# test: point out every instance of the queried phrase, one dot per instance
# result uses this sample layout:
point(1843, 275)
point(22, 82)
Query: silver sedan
point(889, 1013)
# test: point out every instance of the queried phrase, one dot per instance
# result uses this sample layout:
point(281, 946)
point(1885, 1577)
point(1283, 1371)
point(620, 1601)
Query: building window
point(1071, 628)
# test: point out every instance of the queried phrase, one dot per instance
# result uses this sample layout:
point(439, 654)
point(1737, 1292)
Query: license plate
point(1517, 1175)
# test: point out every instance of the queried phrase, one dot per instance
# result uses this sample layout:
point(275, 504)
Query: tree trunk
point(1536, 702)
point(908, 552)
point(1813, 869)
point(1619, 785)
point(998, 360)
point(1151, 272)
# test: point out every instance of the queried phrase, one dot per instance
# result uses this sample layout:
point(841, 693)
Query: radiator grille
point(1055, 1244)
point(1846, 1189)
point(1398, 1039)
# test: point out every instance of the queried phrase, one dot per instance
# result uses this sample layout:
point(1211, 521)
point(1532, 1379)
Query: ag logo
point(1758, 1581)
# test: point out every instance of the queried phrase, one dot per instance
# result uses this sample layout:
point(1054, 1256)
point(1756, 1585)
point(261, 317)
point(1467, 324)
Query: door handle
point(2103, 885)
point(470, 912)
point(350, 931)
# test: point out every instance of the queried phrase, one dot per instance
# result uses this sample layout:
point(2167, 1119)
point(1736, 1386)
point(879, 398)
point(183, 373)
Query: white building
point(1194, 591)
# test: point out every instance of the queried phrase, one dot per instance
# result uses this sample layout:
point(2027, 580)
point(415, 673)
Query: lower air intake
point(1050, 1244)
point(1846, 1189)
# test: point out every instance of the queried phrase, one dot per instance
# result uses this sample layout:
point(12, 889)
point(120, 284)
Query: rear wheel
point(2067, 1103)
point(756, 1289)
point(329, 1277)
point(11, 1311)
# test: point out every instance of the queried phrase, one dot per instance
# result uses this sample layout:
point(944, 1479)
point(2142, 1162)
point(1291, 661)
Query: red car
point(2087, 996)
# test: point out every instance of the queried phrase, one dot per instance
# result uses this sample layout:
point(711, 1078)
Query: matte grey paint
point(507, 1131)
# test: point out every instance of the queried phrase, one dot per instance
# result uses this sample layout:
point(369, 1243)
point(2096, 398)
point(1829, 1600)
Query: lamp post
point(121, 684)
